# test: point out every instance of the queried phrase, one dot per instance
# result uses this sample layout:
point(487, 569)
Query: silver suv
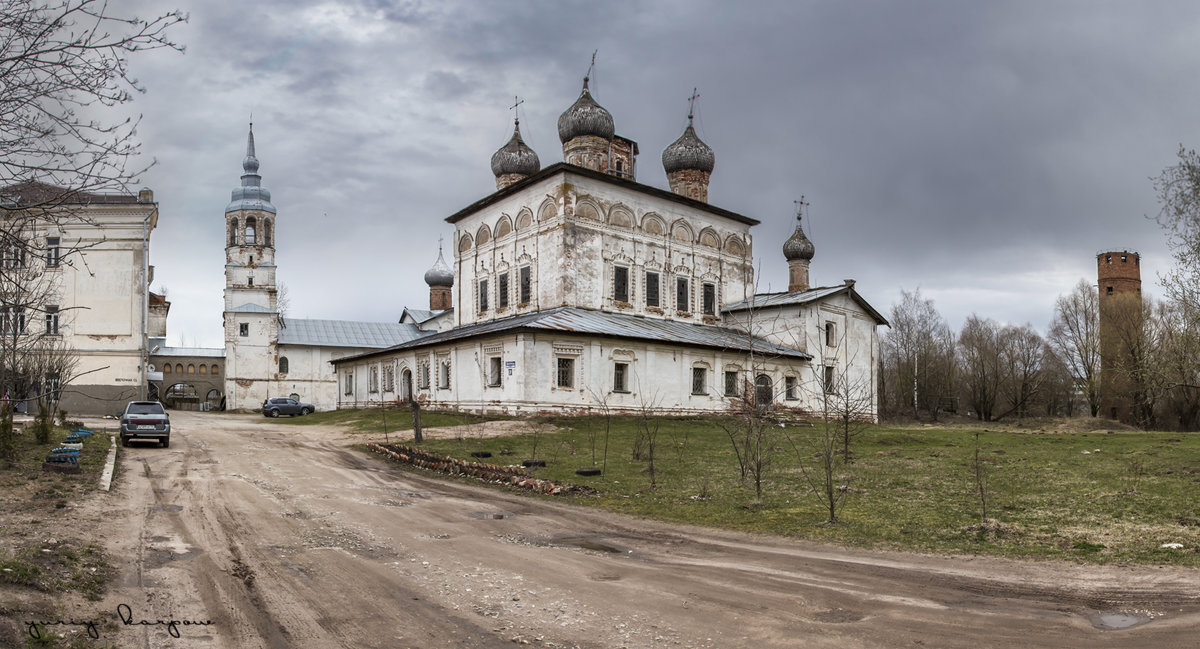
point(145, 420)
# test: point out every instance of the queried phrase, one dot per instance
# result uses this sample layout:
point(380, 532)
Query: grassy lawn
point(909, 487)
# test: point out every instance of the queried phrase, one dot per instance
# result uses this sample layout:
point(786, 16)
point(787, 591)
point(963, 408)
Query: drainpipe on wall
point(145, 301)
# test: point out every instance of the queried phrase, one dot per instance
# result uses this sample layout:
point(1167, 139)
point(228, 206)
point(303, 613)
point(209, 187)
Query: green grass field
point(909, 488)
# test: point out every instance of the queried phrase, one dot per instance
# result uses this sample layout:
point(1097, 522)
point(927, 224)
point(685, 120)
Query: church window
point(502, 291)
point(267, 232)
point(389, 378)
point(1108, 291)
point(374, 378)
point(830, 334)
point(444, 375)
point(251, 231)
point(566, 373)
point(699, 380)
point(243, 329)
point(620, 284)
point(349, 382)
point(251, 281)
point(764, 392)
point(283, 364)
point(829, 382)
point(495, 369)
point(652, 298)
point(483, 295)
point(789, 388)
point(620, 377)
point(423, 375)
point(52, 321)
point(233, 229)
point(682, 294)
point(731, 383)
point(53, 252)
point(526, 285)
point(710, 299)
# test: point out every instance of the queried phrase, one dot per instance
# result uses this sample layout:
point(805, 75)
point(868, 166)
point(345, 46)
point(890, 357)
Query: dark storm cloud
point(983, 152)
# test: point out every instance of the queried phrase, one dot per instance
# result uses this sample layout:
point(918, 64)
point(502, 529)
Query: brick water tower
point(1119, 275)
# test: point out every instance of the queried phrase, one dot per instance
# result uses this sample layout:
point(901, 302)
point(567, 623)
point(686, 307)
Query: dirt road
point(282, 537)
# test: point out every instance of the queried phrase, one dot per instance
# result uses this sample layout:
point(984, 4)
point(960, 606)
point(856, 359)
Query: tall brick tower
point(1120, 285)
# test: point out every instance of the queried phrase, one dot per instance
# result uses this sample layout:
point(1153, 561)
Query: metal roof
point(767, 300)
point(346, 333)
point(600, 323)
point(421, 316)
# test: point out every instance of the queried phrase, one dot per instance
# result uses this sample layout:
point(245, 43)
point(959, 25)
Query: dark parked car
point(145, 420)
point(276, 406)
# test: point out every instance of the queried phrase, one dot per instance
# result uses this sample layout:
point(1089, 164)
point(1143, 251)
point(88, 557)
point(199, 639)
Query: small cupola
point(586, 131)
point(798, 251)
point(514, 161)
point(689, 162)
point(441, 282)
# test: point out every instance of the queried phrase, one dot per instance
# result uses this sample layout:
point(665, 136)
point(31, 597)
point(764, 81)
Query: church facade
point(576, 288)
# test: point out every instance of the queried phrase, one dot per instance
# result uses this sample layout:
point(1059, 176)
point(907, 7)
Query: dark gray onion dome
point(515, 157)
point(585, 117)
point(440, 274)
point(798, 246)
point(688, 152)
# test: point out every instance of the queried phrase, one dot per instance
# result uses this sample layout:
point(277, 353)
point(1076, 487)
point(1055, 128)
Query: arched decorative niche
point(587, 210)
point(708, 237)
point(733, 246)
point(504, 226)
point(482, 235)
point(465, 243)
point(524, 218)
point(680, 231)
point(620, 216)
point(547, 211)
point(653, 224)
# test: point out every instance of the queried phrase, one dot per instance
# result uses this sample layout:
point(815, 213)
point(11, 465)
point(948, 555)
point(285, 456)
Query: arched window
point(191, 368)
point(283, 365)
point(251, 231)
point(266, 232)
point(215, 370)
point(233, 230)
point(179, 368)
point(763, 394)
point(167, 368)
point(203, 369)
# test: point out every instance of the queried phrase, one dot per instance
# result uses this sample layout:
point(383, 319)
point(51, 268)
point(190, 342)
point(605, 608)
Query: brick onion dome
point(515, 157)
point(798, 246)
point(585, 117)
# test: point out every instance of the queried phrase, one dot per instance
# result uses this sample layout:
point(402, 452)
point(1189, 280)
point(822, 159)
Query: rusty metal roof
point(601, 323)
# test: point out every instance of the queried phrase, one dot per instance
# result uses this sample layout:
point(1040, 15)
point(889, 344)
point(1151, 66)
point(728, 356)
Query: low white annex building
point(579, 288)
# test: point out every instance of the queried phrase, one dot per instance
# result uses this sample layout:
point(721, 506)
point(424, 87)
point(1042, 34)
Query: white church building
point(576, 288)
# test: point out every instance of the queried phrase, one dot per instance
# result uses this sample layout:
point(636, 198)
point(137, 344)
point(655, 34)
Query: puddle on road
point(491, 516)
point(1116, 620)
point(586, 543)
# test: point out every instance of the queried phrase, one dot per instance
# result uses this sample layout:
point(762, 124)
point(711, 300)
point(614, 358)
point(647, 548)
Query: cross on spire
point(517, 102)
point(591, 69)
point(800, 207)
point(692, 104)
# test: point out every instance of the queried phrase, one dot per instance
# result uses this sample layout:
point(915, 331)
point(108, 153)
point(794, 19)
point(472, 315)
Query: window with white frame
point(444, 374)
point(243, 329)
point(483, 295)
point(283, 365)
point(14, 255)
point(709, 299)
point(12, 319)
point(830, 334)
point(373, 386)
point(682, 295)
point(495, 370)
point(789, 388)
point(423, 375)
point(502, 291)
point(349, 381)
point(565, 372)
point(620, 284)
point(389, 377)
point(52, 386)
point(652, 298)
point(52, 321)
point(620, 377)
point(53, 252)
point(526, 288)
point(829, 380)
point(731, 383)
point(699, 380)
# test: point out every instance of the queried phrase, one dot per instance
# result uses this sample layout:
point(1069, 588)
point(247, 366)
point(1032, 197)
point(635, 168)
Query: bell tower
point(251, 308)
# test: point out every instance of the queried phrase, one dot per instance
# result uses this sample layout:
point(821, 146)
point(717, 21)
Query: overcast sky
point(980, 152)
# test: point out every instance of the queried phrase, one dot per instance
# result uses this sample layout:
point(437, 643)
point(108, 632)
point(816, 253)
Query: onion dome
point(440, 274)
point(688, 152)
point(251, 195)
point(798, 246)
point(585, 117)
point(515, 157)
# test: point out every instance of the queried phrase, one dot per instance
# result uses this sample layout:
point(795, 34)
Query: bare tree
point(1130, 341)
point(1021, 356)
point(1178, 188)
point(918, 357)
point(1075, 337)
point(979, 351)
